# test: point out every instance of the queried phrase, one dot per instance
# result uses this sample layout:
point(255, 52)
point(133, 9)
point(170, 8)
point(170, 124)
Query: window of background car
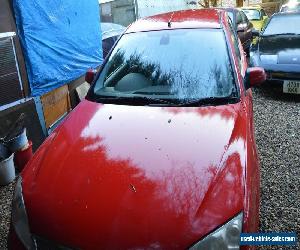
point(107, 44)
point(252, 14)
point(245, 19)
point(239, 18)
point(283, 24)
point(172, 64)
point(234, 39)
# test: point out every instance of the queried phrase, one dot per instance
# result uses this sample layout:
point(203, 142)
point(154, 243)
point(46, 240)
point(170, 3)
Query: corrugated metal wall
point(10, 87)
point(7, 25)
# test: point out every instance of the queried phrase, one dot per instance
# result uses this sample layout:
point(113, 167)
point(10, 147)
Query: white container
point(18, 142)
point(7, 171)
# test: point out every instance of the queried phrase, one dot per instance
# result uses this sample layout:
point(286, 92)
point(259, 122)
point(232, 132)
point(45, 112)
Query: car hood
point(258, 25)
point(287, 48)
point(136, 176)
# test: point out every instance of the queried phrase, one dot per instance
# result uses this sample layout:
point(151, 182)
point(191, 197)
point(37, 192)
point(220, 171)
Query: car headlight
point(269, 59)
point(225, 237)
point(19, 218)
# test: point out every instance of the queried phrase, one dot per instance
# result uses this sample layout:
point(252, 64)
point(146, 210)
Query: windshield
point(252, 14)
point(283, 24)
point(176, 65)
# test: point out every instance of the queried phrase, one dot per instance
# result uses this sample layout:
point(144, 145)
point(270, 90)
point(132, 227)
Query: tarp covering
point(61, 39)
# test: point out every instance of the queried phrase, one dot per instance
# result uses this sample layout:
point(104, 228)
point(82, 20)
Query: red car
point(160, 155)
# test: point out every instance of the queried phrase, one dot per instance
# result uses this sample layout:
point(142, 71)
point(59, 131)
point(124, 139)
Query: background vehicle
point(278, 51)
point(110, 34)
point(161, 154)
point(242, 25)
point(256, 15)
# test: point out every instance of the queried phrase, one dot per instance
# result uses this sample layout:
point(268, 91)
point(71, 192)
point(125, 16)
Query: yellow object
point(256, 16)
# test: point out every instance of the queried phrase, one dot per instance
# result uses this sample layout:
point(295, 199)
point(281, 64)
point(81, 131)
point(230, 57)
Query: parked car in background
point(110, 34)
point(160, 155)
point(242, 26)
point(256, 15)
point(291, 6)
point(278, 51)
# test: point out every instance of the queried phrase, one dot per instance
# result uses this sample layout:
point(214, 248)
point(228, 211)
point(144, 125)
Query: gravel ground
point(277, 129)
point(6, 194)
point(277, 123)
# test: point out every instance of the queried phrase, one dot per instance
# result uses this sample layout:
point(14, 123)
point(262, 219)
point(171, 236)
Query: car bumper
point(15, 244)
point(275, 78)
point(13, 241)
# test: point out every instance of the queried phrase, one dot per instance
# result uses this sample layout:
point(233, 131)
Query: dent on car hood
point(136, 177)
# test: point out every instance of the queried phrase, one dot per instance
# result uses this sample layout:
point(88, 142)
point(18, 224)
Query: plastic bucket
point(7, 170)
point(23, 156)
point(4, 152)
point(17, 143)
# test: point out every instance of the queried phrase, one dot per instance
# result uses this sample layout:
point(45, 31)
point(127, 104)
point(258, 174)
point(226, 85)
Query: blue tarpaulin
point(61, 39)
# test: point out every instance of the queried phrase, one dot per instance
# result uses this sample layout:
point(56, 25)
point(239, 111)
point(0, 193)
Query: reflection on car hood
point(137, 177)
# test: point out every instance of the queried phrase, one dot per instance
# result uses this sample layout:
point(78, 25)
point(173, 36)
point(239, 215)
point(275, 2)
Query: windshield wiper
point(209, 101)
point(133, 100)
point(151, 100)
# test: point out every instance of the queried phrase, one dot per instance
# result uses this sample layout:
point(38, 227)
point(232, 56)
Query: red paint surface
point(120, 177)
point(137, 180)
point(23, 156)
point(203, 18)
point(257, 76)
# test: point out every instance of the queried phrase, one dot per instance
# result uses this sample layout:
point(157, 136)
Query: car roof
point(200, 18)
point(228, 9)
point(251, 7)
point(293, 3)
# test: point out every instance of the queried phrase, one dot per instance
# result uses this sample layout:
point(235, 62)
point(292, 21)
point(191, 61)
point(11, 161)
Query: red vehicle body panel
point(184, 19)
point(120, 177)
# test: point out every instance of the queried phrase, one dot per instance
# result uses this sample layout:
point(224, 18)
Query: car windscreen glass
point(177, 65)
point(252, 14)
point(283, 24)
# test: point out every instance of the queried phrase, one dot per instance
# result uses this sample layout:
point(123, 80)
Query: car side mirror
point(254, 77)
point(240, 27)
point(255, 33)
point(90, 75)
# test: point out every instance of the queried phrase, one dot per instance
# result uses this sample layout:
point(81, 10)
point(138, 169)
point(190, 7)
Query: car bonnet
point(137, 176)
